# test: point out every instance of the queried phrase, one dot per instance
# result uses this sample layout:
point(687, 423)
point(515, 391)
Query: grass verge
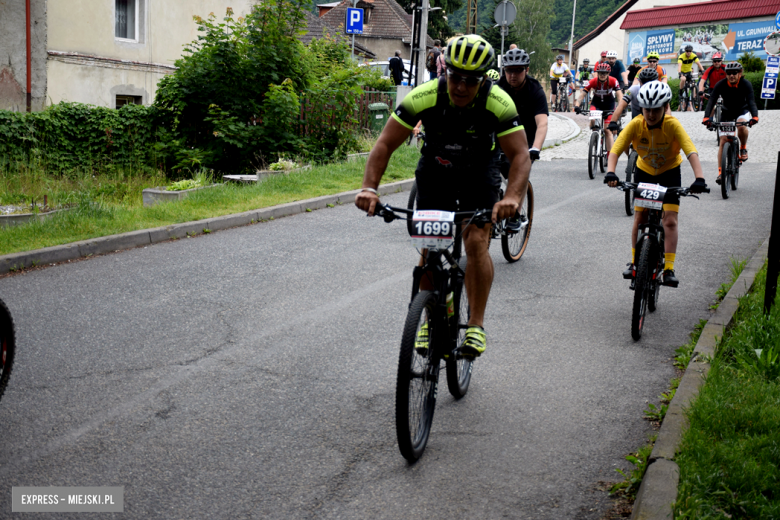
point(112, 203)
point(730, 455)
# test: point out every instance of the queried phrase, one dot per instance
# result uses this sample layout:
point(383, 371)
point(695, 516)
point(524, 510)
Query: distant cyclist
point(738, 105)
point(652, 63)
point(713, 74)
point(584, 73)
point(604, 89)
point(685, 63)
point(558, 70)
point(493, 75)
point(617, 69)
point(657, 138)
point(464, 116)
point(634, 69)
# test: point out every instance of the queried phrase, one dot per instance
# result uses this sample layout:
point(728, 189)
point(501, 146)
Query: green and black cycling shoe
point(670, 280)
point(475, 342)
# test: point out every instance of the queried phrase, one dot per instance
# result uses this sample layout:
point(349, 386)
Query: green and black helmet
point(470, 54)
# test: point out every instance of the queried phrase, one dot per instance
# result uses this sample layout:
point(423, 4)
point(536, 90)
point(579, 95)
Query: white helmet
point(611, 54)
point(654, 94)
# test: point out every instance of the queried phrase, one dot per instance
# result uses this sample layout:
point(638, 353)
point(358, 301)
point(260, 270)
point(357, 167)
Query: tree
point(530, 32)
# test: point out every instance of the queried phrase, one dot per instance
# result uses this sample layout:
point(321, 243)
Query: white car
point(384, 68)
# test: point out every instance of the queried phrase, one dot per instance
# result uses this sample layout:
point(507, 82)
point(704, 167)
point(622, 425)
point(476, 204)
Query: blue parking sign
point(354, 22)
point(768, 87)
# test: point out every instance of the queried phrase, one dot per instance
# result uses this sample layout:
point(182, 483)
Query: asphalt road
point(250, 373)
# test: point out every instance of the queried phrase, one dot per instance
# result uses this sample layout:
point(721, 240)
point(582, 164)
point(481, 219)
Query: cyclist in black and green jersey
point(584, 73)
point(464, 115)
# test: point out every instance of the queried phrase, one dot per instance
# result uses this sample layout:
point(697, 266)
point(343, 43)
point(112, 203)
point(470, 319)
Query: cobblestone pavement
point(557, 127)
point(763, 143)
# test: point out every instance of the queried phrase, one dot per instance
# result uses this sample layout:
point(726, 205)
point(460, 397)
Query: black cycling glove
point(610, 177)
point(534, 153)
point(613, 126)
point(578, 110)
point(698, 186)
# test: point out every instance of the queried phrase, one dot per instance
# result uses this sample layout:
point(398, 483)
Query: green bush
point(751, 63)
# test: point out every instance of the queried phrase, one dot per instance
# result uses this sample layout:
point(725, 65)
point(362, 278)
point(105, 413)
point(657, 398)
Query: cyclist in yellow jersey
point(465, 116)
point(657, 138)
point(685, 63)
point(558, 70)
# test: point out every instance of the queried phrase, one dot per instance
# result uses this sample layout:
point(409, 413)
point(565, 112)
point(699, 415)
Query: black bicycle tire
point(7, 346)
point(630, 195)
point(459, 370)
point(725, 170)
point(592, 157)
point(735, 172)
point(655, 285)
point(513, 247)
point(716, 119)
point(641, 295)
point(411, 204)
point(412, 443)
point(603, 151)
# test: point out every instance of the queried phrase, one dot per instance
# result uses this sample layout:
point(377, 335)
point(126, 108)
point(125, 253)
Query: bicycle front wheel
point(513, 244)
point(7, 346)
point(726, 165)
point(641, 290)
point(603, 150)
point(415, 392)
point(630, 194)
point(593, 154)
point(459, 370)
point(411, 204)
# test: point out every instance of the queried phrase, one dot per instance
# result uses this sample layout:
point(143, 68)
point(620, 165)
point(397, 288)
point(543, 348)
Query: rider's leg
point(670, 233)
point(640, 217)
point(479, 271)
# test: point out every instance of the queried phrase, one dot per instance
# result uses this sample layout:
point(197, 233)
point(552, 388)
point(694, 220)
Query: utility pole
point(571, 37)
point(422, 42)
point(471, 17)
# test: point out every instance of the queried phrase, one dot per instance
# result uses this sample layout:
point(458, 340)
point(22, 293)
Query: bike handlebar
point(390, 213)
point(683, 191)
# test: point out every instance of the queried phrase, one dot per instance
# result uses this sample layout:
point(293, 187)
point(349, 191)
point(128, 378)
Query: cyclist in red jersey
point(714, 74)
point(603, 87)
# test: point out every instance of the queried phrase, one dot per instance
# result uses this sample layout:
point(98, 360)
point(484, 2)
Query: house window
point(126, 23)
point(128, 100)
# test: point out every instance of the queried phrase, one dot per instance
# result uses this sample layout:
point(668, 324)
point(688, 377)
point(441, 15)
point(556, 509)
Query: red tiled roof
point(699, 13)
point(606, 23)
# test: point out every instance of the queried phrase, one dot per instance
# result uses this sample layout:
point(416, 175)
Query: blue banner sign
point(746, 37)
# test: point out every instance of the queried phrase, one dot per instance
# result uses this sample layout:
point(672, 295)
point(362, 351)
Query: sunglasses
point(470, 81)
point(515, 70)
point(717, 61)
point(732, 73)
point(652, 61)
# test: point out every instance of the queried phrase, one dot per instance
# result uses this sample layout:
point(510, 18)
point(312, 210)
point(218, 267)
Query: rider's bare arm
point(515, 147)
point(541, 130)
point(393, 135)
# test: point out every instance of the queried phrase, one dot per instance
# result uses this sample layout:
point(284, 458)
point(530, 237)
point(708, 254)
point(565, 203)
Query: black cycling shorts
point(452, 189)
point(668, 178)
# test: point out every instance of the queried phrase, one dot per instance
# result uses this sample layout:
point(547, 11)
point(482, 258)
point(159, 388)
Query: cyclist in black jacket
point(738, 105)
point(530, 100)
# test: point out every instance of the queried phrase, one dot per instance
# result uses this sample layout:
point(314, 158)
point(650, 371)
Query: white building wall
point(86, 63)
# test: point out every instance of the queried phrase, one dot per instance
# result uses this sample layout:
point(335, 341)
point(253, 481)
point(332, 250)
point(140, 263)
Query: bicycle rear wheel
point(415, 392)
point(630, 194)
point(459, 370)
point(411, 204)
point(726, 165)
point(593, 154)
point(655, 284)
point(513, 244)
point(7, 346)
point(735, 172)
point(641, 290)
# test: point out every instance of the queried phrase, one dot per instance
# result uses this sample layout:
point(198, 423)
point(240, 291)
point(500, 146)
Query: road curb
point(144, 237)
point(658, 490)
point(575, 131)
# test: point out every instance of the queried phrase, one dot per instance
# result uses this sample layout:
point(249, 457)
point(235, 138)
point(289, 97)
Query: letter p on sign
point(354, 22)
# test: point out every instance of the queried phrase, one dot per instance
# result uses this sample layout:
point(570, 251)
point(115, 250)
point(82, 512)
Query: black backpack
point(430, 61)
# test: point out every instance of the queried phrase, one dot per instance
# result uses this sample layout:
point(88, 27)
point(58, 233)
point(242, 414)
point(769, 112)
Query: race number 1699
point(433, 229)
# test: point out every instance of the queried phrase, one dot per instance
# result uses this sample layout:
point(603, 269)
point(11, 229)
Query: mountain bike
point(7, 346)
point(729, 158)
point(562, 99)
point(436, 323)
point(689, 96)
point(597, 149)
point(649, 260)
point(716, 115)
point(513, 241)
